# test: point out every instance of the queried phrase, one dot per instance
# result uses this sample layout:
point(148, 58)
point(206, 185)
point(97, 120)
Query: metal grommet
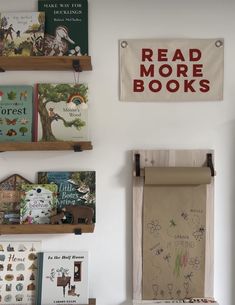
point(218, 43)
point(124, 44)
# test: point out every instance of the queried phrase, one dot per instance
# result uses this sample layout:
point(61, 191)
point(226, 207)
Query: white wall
point(116, 128)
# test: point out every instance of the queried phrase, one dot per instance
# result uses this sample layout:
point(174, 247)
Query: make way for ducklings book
point(62, 278)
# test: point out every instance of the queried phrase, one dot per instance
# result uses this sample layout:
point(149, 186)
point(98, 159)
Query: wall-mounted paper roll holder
point(209, 163)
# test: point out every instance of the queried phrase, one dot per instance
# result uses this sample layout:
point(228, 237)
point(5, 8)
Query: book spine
point(35, 129)
point(39, 279)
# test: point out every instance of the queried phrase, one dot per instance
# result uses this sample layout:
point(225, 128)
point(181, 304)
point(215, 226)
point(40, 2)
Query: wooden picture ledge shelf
point(92, 302)
point(64, 145)
point(46, 229)
point(44, 63)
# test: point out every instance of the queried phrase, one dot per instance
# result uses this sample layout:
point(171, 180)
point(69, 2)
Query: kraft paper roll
point(177, 175)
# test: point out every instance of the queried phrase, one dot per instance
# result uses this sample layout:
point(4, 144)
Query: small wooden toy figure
point(80, 212)
point(57, 219)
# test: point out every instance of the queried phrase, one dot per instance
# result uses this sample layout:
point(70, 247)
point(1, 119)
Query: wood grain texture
point(47, 63)
point(63, 145)
point(167, 158)
point(45, 229)
point(171, 302)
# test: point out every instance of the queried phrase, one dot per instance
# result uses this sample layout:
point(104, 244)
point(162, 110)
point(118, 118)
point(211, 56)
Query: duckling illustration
point(57, 45)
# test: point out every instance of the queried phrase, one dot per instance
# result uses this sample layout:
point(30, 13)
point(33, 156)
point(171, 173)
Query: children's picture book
point(16, 113)
point(10, 199)
point(66, 27)
point(18, 271)
point(22, 33)
point(38, 203)
point(74, 188)
point(62, 112)
point(62, 278)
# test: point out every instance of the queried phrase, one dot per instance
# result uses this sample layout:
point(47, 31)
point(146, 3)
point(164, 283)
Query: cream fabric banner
point(174, 223)
point(171, 69)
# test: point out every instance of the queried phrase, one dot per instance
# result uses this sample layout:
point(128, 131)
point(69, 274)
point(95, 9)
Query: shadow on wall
point(224, 214)
point(125, 175)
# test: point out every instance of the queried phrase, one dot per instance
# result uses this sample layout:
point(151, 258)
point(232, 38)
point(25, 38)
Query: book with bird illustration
point(18, 271)
point(21, 33)
point(38, 203)
point(61, 110)
point(16, 113)
point(62, 278)
point(66, 27)
point(74, 188)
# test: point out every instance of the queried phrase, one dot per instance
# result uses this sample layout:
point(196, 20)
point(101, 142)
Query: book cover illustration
point(22, 33)
point(74, 188)
point(10, 199)
point(16, 113)
point(18, 271)
point(62, 112)
point(66, 27)
point(62, 278)
point(38, 203)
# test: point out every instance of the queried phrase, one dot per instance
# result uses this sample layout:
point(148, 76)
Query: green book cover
point(66, 27)
point(62, 112)
point(16, 113)
point(74, 188)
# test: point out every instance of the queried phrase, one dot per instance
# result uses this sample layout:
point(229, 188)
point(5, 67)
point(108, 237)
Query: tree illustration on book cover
point(62, 112)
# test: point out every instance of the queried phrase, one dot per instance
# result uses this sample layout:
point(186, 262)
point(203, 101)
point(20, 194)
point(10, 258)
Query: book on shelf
point(16, 113)
point(61, 111)
point(18, 271)
point(21, 33)
point(10, 199)
point(74, 188)
point(66, 27)
point(38, 203)
point(62, 278)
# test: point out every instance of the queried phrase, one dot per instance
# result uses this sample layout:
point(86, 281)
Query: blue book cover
point(16, 113)
point(74, 188)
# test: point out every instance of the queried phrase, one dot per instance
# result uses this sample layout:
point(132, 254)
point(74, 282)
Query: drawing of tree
point(57, 93)
point(23, 130)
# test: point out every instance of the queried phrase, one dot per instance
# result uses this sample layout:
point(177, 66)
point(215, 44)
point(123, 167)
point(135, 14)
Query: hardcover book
point(10, 199)
point(18, 271)
point(74, 188)
point(62, 112)
point(62, 278)
point(16, 113)
point(66, 27)
point(21, 33)
point(38, 203)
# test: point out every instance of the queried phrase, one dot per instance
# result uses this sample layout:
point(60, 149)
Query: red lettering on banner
point(138, 85)
point(178, 55)
point(155, 82)
point(162, 54)
point(197, 70)
point(147, 54)
point(195, 54)
point(188, 85)
point(167, 73)
point(182, 70)
point(147, 71)
point(204, 83)
point(169, 88)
